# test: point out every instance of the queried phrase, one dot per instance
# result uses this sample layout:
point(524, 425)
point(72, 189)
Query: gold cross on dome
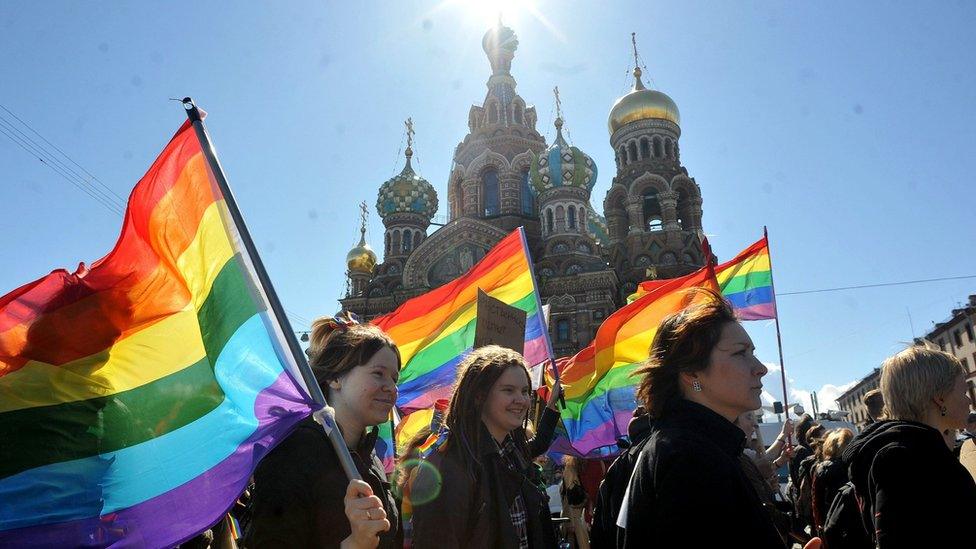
point(633, 41)
point(409, 125)
point(363, 214)
point(558, 102)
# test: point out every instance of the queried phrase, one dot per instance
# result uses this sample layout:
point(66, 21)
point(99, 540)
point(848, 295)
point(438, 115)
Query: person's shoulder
point(670, 451)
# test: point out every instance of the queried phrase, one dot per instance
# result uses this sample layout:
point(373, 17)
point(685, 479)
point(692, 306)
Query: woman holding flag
point(688, 488)
point(476, 492)
point(302, 497)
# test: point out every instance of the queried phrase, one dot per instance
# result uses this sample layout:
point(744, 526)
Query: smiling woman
point(485, 458)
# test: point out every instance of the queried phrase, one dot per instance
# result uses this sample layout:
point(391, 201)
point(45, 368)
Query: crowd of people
point(693, 472)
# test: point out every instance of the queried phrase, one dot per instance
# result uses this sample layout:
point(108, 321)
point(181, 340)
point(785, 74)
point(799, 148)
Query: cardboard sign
point(498, 323)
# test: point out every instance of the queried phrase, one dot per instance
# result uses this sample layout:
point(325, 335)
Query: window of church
point(669, 148)
point(684, 209)
point(386, 250)
point(658, 147)
point(560, 218)
point(528, 200)
point(562, 330)
point(573, 269)
point(623, 155)
point(571, 219)
point(645, 148)
point(549, 221)
point(407, 241)
point(395, 247)
point(652, 210)
point(489, 190)
point(632, 148)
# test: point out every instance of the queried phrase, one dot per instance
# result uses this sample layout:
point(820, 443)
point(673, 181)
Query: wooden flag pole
point(779, 340)
point(325, 415)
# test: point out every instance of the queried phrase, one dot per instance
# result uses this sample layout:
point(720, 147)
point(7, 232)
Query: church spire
point(638, 85)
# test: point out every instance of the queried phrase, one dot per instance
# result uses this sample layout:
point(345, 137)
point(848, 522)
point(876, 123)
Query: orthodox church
point(505, 175)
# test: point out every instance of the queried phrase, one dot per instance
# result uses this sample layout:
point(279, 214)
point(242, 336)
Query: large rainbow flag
point(137, 395)
point(435, 330)
point(598, 382)
point(745, 280)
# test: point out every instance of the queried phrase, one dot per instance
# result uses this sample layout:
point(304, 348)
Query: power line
point(879, 285)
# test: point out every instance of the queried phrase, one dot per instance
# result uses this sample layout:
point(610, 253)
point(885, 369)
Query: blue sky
point(844, 127)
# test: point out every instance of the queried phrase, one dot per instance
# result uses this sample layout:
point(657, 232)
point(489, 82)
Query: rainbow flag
point(747, 282)
point(385, 447)
point(435, 330)
point(137, 395)
point(598, 382)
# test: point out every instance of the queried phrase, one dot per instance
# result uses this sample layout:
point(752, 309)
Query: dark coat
point(470, 509)
point(688, 489)
point(603, 531)
point(299, 490)
point(914, 492)
point(828, 477)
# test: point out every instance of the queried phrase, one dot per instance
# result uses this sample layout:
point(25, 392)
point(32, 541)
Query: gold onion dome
point(362, 258)
point(642, 104)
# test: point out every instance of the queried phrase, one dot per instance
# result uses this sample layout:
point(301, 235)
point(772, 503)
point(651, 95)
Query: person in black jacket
point(473, 489)
point(301, 495)
point(914, 492)
point(829, 474)
point(688, 489)
point(610, 496)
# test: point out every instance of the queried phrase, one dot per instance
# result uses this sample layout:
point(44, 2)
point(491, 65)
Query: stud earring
point(696, 385)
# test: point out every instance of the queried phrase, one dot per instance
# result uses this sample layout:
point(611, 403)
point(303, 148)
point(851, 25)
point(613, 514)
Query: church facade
point(589, 254)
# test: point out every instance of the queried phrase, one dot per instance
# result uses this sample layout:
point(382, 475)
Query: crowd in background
point(692, 472)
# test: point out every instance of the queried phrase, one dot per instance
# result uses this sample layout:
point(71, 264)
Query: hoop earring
point(696, 385)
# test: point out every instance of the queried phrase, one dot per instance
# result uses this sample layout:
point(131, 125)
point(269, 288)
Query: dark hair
point(811, 438)
point(683, 344)
point(802, 426)
point(476, 375)
point(337, 348)
point(874, 401)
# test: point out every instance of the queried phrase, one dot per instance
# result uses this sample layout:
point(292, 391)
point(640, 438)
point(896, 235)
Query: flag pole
point(779, 340)
point(325, 416)
point(538, 303)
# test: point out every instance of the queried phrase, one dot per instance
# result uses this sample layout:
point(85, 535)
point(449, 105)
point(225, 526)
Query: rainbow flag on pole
point(137, 395)
point(435, 330)
point(598, 382)
point(747, 282)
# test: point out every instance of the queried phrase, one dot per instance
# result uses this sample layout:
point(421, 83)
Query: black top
point(473, 511)
point(688, 489)
point(613, 487)
point(828, 477)
point(915, 493)
point(299, 490)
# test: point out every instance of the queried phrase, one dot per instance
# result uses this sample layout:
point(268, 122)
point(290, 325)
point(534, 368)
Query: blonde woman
point(915, 493)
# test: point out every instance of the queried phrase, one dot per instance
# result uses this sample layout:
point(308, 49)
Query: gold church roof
point(642, 104)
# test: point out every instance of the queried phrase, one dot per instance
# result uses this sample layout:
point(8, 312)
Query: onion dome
point(642, 104)
point(407, 192)
point(362, 258)
point(562, 165)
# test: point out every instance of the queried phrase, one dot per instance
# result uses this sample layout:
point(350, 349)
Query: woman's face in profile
point(732, 382)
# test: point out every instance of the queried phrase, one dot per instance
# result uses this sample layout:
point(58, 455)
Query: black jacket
point(603, 532)
point(299, 490)
point(688, 489)
point(470, 510)
point(914, 492)
point(828, 477)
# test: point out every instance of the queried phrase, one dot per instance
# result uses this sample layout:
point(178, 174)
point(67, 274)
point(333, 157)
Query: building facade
point(956, 337)
point(505, 175)
point(852, 401)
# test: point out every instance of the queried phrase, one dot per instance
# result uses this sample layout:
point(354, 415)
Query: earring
point(943, 410)
point(696, 385)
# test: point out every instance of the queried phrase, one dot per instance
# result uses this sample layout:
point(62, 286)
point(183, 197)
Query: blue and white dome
point(562, 165)
point(407, 192)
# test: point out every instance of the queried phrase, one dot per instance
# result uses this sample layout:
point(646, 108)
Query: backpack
point(843, 527)
point(804, 495)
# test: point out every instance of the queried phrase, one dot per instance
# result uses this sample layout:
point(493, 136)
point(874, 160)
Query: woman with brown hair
point(301, 496)
point(914, 491)
point(688, 488)
point(829, 474)
point(476, 491)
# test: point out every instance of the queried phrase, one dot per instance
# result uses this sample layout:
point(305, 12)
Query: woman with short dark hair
point(688, 488)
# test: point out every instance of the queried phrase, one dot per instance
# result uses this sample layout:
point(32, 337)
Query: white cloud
point(826, 395)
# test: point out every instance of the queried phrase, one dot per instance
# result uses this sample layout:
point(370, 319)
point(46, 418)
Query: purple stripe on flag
point(177, 515)
point(762, 311)
point(604, 434)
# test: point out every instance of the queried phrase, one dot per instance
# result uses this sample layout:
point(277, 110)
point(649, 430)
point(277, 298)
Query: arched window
point(549, 221)
point(387, 249)
point(407, 241)
point(571, 218)
point(623, 155)
point(684, 209)
point(652, 210)
point(562, 330)
point(632, 148)
point(645, 148)
point(658, 150)
point(396, 241)
point(528, 200)
point(493, 113)
point(489, 191)
point(669, 148)
point(561, 218)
